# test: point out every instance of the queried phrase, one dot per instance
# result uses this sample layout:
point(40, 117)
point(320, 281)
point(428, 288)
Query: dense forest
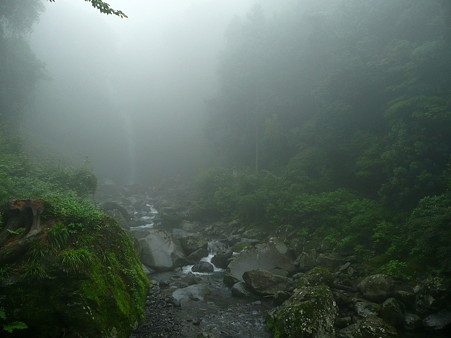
point(333, 118)
point(329, 130)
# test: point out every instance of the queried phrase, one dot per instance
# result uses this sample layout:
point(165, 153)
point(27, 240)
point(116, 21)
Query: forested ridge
point(334, 118)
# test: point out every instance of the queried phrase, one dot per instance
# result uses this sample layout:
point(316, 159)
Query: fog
point(128, 94)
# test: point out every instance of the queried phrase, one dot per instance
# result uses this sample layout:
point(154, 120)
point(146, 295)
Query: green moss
point(240, 246)
point(87, 280)
point(310, 312)
point(316, 276)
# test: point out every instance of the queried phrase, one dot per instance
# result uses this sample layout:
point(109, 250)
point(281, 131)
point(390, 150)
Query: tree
point(104, 7)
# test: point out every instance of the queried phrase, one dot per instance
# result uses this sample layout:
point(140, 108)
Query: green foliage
point(15, 326)
point(76, 260)
point(429, 231)
point(77, 213)
point(58, 236)
point(104, 7)
point(397, 269)
point(10, 326)
point(34, 270)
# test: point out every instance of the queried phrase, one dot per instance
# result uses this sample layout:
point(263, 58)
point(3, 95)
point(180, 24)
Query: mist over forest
point(225, 168)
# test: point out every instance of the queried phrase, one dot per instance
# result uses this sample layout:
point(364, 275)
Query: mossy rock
point(370, 327)
point(316, 276)
point(78, 277)
point(309, 312)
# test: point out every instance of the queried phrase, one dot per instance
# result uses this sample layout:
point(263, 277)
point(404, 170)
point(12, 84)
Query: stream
point(183, 303)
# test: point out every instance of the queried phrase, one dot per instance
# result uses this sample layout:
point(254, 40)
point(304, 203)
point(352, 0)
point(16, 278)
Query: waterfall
point(131, 148)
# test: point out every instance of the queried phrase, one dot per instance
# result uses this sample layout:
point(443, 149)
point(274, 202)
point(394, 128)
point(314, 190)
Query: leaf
point(2, 314)
point(16, 232)
point(15, 326)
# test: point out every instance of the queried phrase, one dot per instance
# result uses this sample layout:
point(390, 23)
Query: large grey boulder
point(309, 312)
point(263, 257)
point(265, 283)
point(376, 288)
point(158, 250)
point(194, 292)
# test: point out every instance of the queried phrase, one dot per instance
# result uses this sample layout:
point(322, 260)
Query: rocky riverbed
point(223, 280)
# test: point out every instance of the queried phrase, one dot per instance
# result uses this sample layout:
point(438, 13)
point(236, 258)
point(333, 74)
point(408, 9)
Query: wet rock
point(438, 321)
point(263, 282)
point(406, 297)
point(221, 259)
point(316, 276)
point(280, 296)
point(365, 308)
point(370, 327)
point(240, 290)
point(179, 233)
point(376, 288)
point(411, 321)
point(263, 257)
point(279, 245)
point(343, 322)
point(203, 267)
point(191, 293)
point(195, 256)
point(158, 250)
point(188, 226)
point(190, 279)
point(344, 267)
point(306, 261)
point(192, 243)
point(118, 212)
point(310, 312)
point(330, 261)
point(229, 280)
point(392, 312)
point(431, 295)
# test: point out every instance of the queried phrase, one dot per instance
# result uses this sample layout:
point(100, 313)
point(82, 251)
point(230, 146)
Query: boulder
point(438, 321)
point(196, 256)
point(263, 282)
point(316, 276)
point(331, 261)
point(204, 267)
point(190, 279)
point(192, 243)
point(431, 295)
point(221, 259)
point(369, 327)
point(240, 290)
point(75, 275)
point(309, 312)
point(307, 260)
point(365, 308)
point(263, 257)
point(194, 292)
point(411, 321)
point(158, 250)
point(392, 312)
point(376, 288)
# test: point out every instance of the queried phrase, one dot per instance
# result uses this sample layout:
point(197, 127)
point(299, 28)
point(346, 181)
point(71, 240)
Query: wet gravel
point(159, 317)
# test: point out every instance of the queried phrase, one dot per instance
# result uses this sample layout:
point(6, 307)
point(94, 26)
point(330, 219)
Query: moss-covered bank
point(78, 277)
